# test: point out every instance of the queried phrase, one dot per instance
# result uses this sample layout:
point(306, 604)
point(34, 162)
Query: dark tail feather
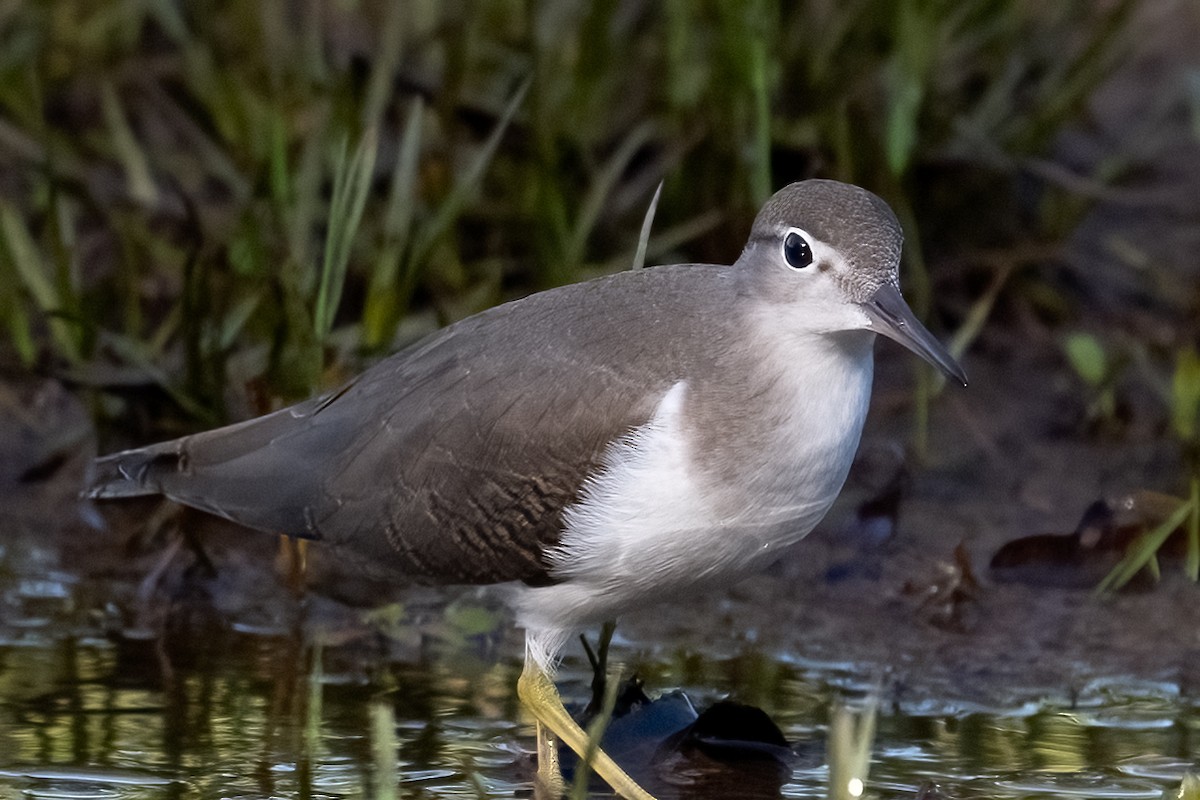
point(131, 473)
point(254, 473)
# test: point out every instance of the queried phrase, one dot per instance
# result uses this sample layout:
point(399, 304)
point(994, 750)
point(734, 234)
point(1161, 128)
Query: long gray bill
point(892, 317)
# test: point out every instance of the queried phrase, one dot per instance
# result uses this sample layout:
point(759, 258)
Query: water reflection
point(203, 709)
point(226, 714)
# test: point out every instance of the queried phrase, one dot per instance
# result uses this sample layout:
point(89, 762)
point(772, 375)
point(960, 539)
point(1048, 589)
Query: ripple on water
point(900, 788)
point(1134, 715)
point(472, 727)
point(807, 782)
point(426, 775)
point(1155, 767)
point(803, 791)
point(937, 707)
point(85, 775)
point(908, 754)
point(337, 775)
point(66, 783)
point(72, 792)
point(1096, 787)
point(1104, 691)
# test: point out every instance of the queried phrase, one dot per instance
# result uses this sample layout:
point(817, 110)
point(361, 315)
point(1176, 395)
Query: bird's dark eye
point(797, 251)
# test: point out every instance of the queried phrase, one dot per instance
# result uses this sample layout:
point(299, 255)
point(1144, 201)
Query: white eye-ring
point(797, 249)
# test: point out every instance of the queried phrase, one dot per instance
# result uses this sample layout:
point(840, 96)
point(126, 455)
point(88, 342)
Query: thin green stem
point(1193, 551)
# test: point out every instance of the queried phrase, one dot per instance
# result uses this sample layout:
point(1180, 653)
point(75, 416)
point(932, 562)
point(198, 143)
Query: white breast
point(629, 535)
point(639, 518)
point(651, 523)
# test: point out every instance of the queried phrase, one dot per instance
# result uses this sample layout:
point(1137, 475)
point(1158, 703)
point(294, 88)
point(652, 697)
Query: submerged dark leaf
point(1082, 559)
point(728, 749)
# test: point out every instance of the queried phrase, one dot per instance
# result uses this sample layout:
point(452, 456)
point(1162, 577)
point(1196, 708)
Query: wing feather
point(454, 459)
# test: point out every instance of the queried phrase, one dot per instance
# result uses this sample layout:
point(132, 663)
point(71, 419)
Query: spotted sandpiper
point(602, 446)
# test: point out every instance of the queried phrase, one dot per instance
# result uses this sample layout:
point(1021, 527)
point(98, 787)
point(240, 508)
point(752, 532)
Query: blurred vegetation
point(239, 203)
point(1183, 399)
point(1099, 372)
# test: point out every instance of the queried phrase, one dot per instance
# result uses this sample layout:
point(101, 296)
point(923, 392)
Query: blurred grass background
point(208, 209)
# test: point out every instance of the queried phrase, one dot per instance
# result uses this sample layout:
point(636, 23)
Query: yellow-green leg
point(537, 692)
point(549, 771)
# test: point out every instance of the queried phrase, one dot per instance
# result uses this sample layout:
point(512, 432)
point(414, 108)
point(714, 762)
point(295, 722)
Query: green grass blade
point(306, 198)
point(919, 293)
point(1193, 533)
point(1189, 788)
point(279, 178)
point(595, 730)
point(600, 189)
point(139, 178)
point(466, 184)
point(1144, 549)
point(398, 218)
point(1087, 357)
point(136, 354)
point(1088, 69)
point(849, 749)
point(19, 329)
point(387, 59)
point(384, 296)
point(1185, 394)
point(906, 84)
point(639, 257)
point(384, 747)
point(351, 183)
point(170, 16)
point(976, 317)
point(760, 169)
point(672, 239)
point(314, 707)
point(32, 269)
point(237, 317)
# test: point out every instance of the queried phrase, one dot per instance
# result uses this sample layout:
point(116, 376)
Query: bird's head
point(831, 252)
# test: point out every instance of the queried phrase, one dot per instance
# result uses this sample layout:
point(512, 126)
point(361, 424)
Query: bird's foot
point(539, 695)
